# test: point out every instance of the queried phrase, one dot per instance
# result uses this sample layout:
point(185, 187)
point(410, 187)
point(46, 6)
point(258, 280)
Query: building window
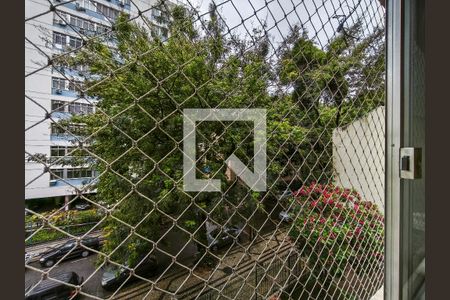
point(75, 42)
point(58, 83)
point(76, 129)
point(75, 108)
point(57, 130)
point(82, 23)
point(59, 39)
point(73, 129)
point(57, 151)
point(60, 67)
point(63, 151)
point(60, 18)
point(102, 28)
point(75, 85)
point(71, 173)
point(160, 32)
point(159, 16)
point(79, 173)
point(72, 107)
point(84, 108)
point(87, 4)
point(56, 174)
point(107, 11)
point(70, 151)
point(58, 106)
point(80, 108)
point(85, 26)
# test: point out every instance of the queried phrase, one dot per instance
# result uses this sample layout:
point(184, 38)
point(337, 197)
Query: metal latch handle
point(410, 163)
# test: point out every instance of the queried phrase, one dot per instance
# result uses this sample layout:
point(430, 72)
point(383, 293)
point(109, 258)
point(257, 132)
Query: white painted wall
point(358, 156)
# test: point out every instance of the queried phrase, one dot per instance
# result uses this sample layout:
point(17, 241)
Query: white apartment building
point(49, 96)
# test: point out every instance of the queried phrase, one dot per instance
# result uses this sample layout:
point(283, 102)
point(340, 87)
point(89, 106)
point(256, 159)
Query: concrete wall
point(358, 156)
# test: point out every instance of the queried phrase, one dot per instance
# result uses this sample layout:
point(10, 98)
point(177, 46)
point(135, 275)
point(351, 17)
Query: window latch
point(410, 163)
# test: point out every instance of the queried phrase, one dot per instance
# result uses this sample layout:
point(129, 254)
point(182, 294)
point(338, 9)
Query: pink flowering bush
point(335, 229)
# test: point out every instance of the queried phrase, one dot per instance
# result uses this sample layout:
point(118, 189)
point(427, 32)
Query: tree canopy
point(143, 84)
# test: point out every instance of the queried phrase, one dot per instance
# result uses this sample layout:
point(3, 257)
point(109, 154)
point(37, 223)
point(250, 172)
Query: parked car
point(114, 276)
point(286, 193)
point(285, 216)
point(28, 257)
point(49, 258)
point(83, 206)
point(51, 289)
point(220, 238)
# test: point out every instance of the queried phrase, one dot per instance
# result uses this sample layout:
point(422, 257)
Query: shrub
point(71, 217)
point(65, 220)
point(50, 234)
point(334, 228)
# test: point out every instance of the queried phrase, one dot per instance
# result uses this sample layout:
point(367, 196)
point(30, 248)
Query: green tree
point(144, 83)
point(331, 87)
point(135, 135)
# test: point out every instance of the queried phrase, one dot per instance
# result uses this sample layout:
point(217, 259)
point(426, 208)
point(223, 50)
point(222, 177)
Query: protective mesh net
point(110, 212)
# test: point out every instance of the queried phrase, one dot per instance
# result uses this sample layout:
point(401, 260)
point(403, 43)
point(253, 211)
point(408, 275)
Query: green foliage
point(67, 221)
point(143, 85)
point(48, 234)
point(62, 218)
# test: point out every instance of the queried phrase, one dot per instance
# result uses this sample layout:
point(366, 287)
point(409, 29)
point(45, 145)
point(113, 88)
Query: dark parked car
point(114, 276)
point(49, 289)
point(49, 258)
point(218, 239)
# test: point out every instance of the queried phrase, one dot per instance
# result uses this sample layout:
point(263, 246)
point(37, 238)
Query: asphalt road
point(85, 267)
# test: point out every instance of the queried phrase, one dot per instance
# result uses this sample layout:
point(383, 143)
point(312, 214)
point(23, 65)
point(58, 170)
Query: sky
point(320, 17)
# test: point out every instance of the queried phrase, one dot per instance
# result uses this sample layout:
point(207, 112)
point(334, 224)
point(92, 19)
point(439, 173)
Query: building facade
point(52, 92)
